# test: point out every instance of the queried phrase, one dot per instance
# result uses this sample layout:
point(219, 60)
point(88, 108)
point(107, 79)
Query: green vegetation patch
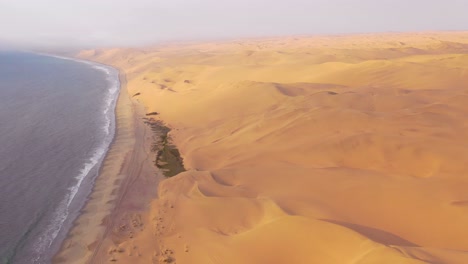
point(168, 157)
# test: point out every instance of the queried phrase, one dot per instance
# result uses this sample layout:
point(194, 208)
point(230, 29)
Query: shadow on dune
point(377, 235)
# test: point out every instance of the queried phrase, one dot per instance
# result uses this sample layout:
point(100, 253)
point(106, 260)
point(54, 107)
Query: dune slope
point(346, 149)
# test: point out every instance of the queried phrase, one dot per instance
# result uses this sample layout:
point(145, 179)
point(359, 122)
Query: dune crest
point(345, 149)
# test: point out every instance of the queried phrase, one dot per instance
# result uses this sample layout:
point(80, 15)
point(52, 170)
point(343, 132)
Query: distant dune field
point(342, 149)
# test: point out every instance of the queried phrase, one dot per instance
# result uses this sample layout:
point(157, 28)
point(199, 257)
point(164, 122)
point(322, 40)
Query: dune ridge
point(339, 149)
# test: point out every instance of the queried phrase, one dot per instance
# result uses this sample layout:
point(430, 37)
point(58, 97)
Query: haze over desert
point(323, 149)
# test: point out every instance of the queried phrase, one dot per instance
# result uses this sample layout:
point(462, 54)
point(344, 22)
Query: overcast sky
point(142, 22)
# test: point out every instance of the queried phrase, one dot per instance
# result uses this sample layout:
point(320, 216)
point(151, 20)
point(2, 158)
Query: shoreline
point(77, 199)
point(126, 159)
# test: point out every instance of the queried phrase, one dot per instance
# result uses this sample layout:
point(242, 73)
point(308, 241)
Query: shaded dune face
point(309, 150)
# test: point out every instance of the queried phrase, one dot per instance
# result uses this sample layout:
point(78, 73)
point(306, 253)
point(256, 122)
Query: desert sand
point(324, 149)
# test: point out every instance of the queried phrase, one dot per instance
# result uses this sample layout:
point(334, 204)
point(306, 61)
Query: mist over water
point(57, 121)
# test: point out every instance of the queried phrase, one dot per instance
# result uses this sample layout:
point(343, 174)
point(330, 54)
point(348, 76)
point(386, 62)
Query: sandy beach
point(325, 149)
point(124, 184)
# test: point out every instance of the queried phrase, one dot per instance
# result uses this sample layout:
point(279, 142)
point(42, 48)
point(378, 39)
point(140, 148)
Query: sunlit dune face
point(310, 150)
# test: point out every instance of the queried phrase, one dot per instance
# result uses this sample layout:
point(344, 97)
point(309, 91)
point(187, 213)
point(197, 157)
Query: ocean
point(57, 120)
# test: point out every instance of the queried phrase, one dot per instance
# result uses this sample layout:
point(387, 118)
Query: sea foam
point(91, 166)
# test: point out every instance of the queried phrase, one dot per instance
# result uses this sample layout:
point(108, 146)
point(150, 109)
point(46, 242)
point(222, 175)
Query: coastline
point(86, 181)
point(126, 165)
point(45, 229)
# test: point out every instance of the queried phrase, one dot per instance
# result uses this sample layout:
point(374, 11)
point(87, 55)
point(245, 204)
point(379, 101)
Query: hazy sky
point(139, 22)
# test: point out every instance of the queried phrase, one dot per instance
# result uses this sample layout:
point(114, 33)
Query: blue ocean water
point(56, 123)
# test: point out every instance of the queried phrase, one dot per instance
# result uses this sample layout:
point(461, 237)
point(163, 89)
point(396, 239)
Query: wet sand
point(126, 182)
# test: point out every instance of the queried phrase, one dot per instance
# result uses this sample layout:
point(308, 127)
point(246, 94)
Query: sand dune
point(344, 149)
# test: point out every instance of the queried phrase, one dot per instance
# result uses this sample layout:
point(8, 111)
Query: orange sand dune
point(345, 149)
